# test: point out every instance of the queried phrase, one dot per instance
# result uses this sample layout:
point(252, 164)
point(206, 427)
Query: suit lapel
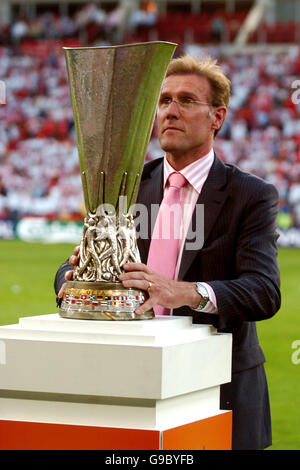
point(212, 196)
point(150, 195)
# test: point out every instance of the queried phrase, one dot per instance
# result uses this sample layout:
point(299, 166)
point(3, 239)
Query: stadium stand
point(39, 168)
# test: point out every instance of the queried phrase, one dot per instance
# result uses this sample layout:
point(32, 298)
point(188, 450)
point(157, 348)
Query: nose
point(173, 109)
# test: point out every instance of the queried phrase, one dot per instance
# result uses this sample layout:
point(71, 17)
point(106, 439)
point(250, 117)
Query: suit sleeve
point(254, 294)
point(60, 278)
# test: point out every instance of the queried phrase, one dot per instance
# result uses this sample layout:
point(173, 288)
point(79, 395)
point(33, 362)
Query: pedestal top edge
point(54, 320)
point(159, 331)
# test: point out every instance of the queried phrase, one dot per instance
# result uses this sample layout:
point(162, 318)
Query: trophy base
point(84, 300)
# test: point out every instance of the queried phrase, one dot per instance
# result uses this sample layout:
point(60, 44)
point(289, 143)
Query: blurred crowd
point(112, 24)
point(90, 23)
point(39, 166)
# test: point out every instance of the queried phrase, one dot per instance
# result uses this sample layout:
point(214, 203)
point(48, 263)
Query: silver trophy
point(114, 93)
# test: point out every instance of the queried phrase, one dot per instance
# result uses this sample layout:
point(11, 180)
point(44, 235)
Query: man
point(233, 279)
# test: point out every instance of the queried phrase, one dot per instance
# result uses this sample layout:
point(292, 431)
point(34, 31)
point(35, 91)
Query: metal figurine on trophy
point(114, 93)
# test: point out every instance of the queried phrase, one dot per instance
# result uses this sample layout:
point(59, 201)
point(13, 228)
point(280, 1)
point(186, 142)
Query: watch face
point(202, 291)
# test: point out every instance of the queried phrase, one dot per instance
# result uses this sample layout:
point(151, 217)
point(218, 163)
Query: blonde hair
point(207, 68)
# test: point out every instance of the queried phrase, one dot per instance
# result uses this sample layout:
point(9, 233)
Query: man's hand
point(73, 261)
point(162, 291)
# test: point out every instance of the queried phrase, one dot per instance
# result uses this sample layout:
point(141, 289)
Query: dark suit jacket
point(238, 260)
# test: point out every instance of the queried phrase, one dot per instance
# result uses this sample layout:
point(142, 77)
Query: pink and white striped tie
point(164, 247)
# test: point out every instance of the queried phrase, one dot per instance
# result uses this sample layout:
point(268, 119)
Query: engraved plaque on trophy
point(114, 93)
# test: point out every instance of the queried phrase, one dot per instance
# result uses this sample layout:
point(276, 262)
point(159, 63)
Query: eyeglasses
point(184, 103)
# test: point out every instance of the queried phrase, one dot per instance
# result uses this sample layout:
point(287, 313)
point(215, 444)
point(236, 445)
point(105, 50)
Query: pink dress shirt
point(196, 174)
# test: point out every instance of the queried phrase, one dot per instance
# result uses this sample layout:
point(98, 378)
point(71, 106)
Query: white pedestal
point(158, 377)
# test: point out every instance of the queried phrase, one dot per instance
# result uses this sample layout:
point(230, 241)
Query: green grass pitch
point(26, 289)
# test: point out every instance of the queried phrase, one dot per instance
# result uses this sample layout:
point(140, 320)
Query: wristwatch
point(201, 289)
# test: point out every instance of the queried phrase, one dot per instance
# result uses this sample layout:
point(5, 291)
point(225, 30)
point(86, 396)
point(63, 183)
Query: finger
point(61, 291)
point(132, 275)
point(73, 260)
point(136, 284)
point(68, 275)
point(148, 305)
point(136, 267)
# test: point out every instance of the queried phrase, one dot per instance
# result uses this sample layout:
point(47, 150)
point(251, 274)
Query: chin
point(169, 146)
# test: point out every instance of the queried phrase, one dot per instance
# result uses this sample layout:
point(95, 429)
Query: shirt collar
point(195, 173)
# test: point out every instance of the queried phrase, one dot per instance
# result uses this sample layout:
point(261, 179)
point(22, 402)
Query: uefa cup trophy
point(114, 93)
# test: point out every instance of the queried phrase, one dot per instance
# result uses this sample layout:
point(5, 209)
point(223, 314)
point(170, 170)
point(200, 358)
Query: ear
point(218, 117)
